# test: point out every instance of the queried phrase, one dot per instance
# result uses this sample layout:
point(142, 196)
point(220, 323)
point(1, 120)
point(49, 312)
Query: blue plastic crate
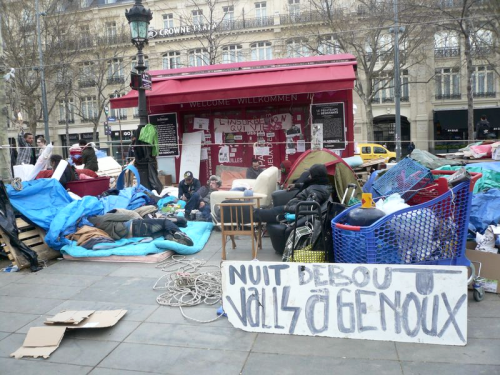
point(405, 178)
point(433, 233)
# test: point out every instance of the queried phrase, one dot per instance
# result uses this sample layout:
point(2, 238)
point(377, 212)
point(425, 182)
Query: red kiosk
point(268, 109)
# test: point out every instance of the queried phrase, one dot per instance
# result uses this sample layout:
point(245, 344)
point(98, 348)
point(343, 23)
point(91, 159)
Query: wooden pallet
point(31, 236)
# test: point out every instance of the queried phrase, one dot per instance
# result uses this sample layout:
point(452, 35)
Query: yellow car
point(371, 151)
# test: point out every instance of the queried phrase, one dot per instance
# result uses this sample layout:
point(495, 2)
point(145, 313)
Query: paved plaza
point(156, 339)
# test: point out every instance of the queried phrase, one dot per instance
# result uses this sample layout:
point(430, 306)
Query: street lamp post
point(42, 72)
point(139, 17)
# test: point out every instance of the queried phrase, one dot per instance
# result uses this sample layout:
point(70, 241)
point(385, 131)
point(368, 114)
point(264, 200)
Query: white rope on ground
point(184, 284)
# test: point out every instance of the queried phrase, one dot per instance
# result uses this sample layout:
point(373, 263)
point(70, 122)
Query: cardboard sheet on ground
point(406, 303)
point(43, 341)
point(199, 232)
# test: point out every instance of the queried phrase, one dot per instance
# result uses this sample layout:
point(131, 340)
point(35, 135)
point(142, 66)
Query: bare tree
point(100, 70)
point(364, 31)
point(465, 18)
point(210, 24)
point(21, 51)
point(4, 150)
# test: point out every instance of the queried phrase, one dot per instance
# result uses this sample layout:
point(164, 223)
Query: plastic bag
point(486, 241)
point(391, 204)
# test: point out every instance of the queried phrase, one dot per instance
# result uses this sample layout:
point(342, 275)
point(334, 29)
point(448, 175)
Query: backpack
point(303, 238)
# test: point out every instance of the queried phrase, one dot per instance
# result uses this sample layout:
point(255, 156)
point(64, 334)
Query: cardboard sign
point(406, 303)
point(166, 125)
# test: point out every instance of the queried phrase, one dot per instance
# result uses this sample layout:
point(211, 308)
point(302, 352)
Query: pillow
point(228, 177)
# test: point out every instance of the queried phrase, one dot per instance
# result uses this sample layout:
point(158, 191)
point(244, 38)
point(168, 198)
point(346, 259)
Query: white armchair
point(262, 187)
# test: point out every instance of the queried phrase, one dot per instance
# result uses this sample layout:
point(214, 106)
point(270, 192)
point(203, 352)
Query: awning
point(294, 79)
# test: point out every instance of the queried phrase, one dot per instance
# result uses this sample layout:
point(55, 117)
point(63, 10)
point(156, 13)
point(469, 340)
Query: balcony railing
point(480, 50)
point(301, 17)
point(90, 119)
point(112, 39)
point(63, 84)
point(116, 80)
point(490, 94)
point(446, 52)
point(86, 83)
point(448, 96)
point(389, 99)
point(86, 42)
point(62, 122)
point(119, 116)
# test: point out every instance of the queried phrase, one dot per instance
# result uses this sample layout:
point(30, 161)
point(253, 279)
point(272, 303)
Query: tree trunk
point(4, 138)
point(66, 118)
point(470, 97)
point(369, 120)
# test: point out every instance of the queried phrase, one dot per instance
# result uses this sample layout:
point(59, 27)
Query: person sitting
point(89, 158)
point(316, 188)
point(254, 171)
point(200, 200)
point(188, 186)
point(69, 173)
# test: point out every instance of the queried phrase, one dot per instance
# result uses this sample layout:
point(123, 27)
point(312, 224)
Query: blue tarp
point(66, 220)
point(199, 232)
point(490, 165)
point(40, 200)
point(485, 209)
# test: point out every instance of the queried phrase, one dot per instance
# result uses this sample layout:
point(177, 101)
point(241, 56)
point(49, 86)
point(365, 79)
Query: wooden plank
point(34, 241)
point(28, 234)
point(21, 223)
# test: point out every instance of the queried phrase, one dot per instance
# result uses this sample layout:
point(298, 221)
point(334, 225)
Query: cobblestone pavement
point(157, 339)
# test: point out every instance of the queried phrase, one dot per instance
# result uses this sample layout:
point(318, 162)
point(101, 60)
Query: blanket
point(199, 232)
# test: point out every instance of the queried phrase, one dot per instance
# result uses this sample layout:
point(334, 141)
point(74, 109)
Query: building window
point(261, 51)
point(172, 60)
point(260, 10)
point(232, 54)
point(62, 112)
point(134, 63)
point(329, 46)
point(481, 42)
point(199, 57)
point(111, 32)
point(297, 48)
point(168, 21)
point(120, 114)
point(87, 78)
point(115, 71)
point(85, 3)
point(109, 1)
point(228, 18)
point(447, 83)
point(446, 44)
point(294, 9)
point(197, 17)
point(89, 108)
point(135, 112)
point(383, 87)
point(483, 82)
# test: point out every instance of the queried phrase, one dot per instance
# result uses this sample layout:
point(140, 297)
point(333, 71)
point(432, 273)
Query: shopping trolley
point(433, 231)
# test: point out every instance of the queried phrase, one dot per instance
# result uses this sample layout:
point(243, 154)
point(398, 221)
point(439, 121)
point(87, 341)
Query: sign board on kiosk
point(424, 304)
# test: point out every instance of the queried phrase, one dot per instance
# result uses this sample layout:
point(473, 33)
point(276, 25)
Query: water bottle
point(11, 268)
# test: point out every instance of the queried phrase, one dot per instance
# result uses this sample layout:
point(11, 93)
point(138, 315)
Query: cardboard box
point(43, 341)
point(166, 180)
point(490, 267)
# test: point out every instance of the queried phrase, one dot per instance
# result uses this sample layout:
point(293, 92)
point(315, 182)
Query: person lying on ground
point(122, 223)
point(316, 188)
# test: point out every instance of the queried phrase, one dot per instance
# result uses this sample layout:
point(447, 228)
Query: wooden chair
point(237, 220)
